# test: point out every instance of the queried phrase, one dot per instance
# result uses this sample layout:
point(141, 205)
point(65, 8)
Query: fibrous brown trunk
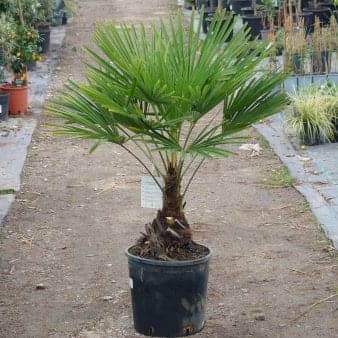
point(172, 200)
point(169, 232)
point(172, 216)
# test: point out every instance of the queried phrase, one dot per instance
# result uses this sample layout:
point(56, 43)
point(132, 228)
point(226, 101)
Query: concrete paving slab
point(315, 170)
point(5, 204)
point(15, 137)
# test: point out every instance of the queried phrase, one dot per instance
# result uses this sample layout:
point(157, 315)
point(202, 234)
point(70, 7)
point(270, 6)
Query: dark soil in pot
point(177, 250)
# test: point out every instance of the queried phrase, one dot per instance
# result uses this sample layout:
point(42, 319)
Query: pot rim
point(168, 263)
point(8, 86)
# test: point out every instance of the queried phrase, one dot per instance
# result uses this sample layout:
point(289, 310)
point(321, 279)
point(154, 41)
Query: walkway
point(63, 269)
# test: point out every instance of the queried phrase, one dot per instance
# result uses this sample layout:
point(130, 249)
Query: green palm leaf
point(155, 88)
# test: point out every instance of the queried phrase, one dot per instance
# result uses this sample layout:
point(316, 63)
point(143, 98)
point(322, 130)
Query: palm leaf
point(151, 87)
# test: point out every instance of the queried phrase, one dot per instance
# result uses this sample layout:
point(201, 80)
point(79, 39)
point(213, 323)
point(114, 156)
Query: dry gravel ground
point(76, 213)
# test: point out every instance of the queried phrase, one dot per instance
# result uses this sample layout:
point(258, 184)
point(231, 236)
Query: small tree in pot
point(154, 94)
point(23, 51)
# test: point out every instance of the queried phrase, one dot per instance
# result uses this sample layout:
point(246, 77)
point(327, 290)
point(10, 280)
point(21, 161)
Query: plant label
point(151, 194)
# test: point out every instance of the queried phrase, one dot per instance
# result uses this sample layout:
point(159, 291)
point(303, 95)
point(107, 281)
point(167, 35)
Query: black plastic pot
point(308, 21)
point(213, 3)
point(308, 141)
point(208, 12)
point(44, 38)
point(322, 13)
point(188, 4)
point(335, 13)
point(208, 22)
point(320, 62)
point(255, 24)
point(328, 5)
point(237, 5)
point(336, 132)
point(247, 11)
point(64, 18)
point(297, 63)
point(4, 97)
point(168, 297)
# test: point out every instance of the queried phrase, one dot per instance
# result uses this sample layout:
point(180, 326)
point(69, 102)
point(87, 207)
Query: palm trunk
point(171, 221)
point(170, 228)
point(172, 199)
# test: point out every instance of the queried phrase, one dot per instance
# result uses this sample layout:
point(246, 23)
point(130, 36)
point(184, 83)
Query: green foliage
point(34, 11)
point(313, 110)
point(44, 12)
point(19, 40)
point(6, 191)
point(24, 51)
point(282, 178)
point(6, 6)
point(31, 11)
point(159, 90)
point(7, 33)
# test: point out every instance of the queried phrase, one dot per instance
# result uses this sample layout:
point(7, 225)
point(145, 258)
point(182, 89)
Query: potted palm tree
point(156, 96)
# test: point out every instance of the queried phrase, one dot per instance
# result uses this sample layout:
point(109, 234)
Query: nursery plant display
point(21, 50)
point(313, 114)
point(154, 96)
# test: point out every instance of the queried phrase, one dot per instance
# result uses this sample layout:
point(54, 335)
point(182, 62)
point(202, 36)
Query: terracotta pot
point(18, 99)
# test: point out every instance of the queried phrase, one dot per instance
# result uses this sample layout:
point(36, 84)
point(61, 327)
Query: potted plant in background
point(295, 46)
point(217, 16)
point(237, 5)
point(23, 52)
point(267, 11)
point(323, 43)
point(156, 96)
point(44, 16)
point(322, 13)
point(254, 21)
point(7, 27)
point(38, 14)
point(312, 115)
point(58, 12)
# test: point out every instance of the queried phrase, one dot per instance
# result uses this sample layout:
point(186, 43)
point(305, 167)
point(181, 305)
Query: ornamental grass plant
point(312, 113)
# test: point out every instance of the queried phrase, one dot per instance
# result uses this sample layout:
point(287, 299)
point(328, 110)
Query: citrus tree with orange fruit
point(25, 51)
